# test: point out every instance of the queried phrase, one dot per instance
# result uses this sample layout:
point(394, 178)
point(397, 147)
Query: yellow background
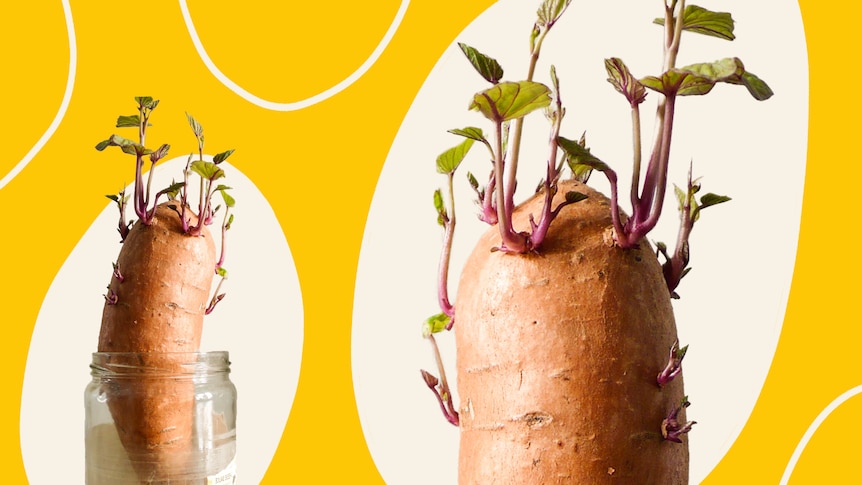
point(318, 167)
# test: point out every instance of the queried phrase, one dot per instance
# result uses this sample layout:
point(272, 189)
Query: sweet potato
point(557, 357)
point(155, 305)
point(569, 368)
point(158, 312)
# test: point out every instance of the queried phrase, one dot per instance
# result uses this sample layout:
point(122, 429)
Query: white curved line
point(292, 106)
point(813, 428)
point(67, 96)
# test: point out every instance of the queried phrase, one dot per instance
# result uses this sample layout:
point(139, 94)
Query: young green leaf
point(756, 87)
point(550, 11)
point(160, 153)
point(448, 161)
point(228, 199)
point(435, 324)
point(196, 127)
point(147, 102)
point(220, 157)
point(573, 196)
point(133, 121)
point(710, 199)
point(470, 132)
point(173, 190)
point(702, 21)
point(440, 207)
point(511, 100)
point(114, 141)
point(207, 170)
point(486, 66)
point(624, 82)
point(579, 155)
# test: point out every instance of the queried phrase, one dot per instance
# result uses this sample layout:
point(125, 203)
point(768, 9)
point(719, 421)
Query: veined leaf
point(624, 82)
point(114, 141)
point(228, 199)
point(160, 153)
point(470, 132)
point(580, 155)
point(207, 170)
point(511, 100)
point(173, 190)
point(448, 161)
point(550, 11)
point(486, 66)
point(220, 157)
point(698, 79)
point(147, 102)
point(135, 149)
point(196, 127)
point(711, 199)
point(133, 121)
point(702, 21)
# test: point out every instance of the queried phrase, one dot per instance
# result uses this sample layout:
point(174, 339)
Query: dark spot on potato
point(536, 420)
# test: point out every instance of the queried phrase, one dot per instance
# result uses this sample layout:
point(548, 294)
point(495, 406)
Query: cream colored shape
point(304, 103)
point(61, 112)
point(812, 428)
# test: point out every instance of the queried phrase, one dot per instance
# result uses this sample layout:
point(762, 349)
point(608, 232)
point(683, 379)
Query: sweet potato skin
point(557, 357)
point(161, 299)
point(165, 287)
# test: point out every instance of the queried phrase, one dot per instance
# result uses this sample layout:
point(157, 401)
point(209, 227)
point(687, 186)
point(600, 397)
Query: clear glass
point(160, 418)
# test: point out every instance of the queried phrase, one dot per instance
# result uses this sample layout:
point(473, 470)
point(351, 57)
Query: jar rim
point(159, 363)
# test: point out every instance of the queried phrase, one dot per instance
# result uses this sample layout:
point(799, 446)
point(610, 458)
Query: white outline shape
point(296, 105)
point(67, 96)
point(788, 471)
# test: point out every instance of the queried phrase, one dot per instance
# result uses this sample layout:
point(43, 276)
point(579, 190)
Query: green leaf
point(572, 197)
point(711, 199)
point(114, 141)
point(759, 89)
point(196, 127)
point(160, 153)
point(580, 155)
point(438, 201)
point(220, 157)
point(221, 272)
point(472, 180)
point(702, 21)
point(550, 11)
point(229, 222)
point(681, 197)
point(698, 79)
point(511, 100)
point(624, 82)
point(228, 199)
point(133, 121)
point(435, 324)
point(173, 190)
point(147, 102)
point(207, 170)
point(486, 66)
point(470, 132)
point(448, 161)
point(135, 149)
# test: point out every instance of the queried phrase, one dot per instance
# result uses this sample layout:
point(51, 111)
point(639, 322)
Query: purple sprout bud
point(671, 428)
point(111, 297)
point(674, 364)
point(117, 274)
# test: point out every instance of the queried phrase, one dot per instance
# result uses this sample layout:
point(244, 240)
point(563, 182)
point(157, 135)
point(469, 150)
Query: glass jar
point(160, 418)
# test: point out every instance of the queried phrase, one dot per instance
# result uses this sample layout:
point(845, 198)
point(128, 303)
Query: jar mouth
point(160, 363)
